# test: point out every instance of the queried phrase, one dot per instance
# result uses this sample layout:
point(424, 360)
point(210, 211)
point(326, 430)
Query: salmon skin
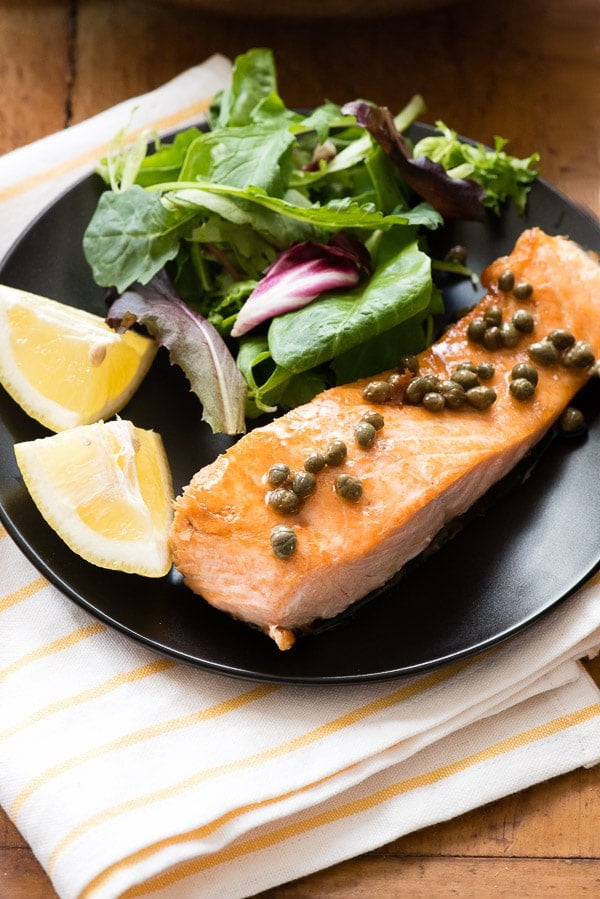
point(424, 468)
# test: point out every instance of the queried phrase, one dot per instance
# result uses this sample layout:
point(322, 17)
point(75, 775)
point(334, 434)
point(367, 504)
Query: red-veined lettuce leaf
point(299, 276)
point(193, 344)
point(454, 198)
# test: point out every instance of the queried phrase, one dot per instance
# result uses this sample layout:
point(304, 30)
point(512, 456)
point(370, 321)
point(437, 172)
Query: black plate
point(520, 555)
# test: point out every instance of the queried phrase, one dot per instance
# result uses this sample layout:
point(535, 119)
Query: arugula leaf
point(193, 344)
point(165, 163)
point(333, 216)
point(253, 78)
point(231, 205)
point(131, 236)
point(357, 149)
point(399, 288)
point(239, 157)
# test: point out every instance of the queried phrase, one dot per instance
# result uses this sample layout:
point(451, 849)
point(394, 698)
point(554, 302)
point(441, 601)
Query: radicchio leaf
point(454, 198)
point(193, 343)
point(299, 275)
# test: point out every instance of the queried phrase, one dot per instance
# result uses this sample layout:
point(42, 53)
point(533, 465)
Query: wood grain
point(529, 71)
point(35, 70)
point(526, 71)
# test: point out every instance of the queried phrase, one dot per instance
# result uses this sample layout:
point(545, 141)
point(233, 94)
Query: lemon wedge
point(65, 367)
point(106, 489)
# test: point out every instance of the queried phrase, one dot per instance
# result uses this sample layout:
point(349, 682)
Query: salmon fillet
point(423, 469)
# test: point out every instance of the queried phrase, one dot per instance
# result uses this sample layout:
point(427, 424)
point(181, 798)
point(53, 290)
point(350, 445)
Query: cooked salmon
point(423, 469)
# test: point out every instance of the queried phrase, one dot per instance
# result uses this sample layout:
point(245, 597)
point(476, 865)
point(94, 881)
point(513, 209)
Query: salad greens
point(193, 344)
point(502, 177)
point(276, 253)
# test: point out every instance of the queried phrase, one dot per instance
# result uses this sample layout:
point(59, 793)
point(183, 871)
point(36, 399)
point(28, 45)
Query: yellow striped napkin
point(133, 775)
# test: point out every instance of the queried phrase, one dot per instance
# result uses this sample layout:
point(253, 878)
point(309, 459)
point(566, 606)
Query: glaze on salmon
point(424, 468)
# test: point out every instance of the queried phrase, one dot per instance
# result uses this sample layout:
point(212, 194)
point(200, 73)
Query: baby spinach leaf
point(383, 351)
point(398, 289)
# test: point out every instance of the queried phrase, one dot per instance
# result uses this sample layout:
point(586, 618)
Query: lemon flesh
point(64, 366)
point(106, 489)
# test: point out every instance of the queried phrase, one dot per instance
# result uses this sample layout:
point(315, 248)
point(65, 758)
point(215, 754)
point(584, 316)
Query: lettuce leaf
point(193, 344)
point(502, 176)
point(454, 198)
point(298, 276)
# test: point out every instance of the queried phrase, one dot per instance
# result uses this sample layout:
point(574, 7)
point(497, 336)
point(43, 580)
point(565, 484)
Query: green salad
point(276, 253)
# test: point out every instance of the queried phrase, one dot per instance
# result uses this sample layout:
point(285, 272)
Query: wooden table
point(529, 71)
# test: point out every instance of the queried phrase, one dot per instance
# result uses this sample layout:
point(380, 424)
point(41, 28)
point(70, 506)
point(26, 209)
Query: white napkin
point(132, 775)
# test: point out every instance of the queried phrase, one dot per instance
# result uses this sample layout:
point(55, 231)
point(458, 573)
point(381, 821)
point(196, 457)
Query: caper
point(523, 321)
point(377, 392)
point(284, 501)
point(418, 387)
point(476, 330)
point(348, 488)
point(572, 422)
point(470, 366)
point(303, 483)
point(486, 371)
point(283, 541)
point(396, 382)
point(433, 401)
point(523, 290)
point(336, 452)
point(506, 281)
point(364, 434)
point(543, 352)
point(314, 463)
point(481, 397)
point(457, 254)
point(525, 370)
point(453, 394)
point(492, 339)
point(374, 418)
point(580, 355)
point(448, 386)
point(510, 335)
point(561, 338)
point(465, 377)
point(408, 363)
point(278, 474)
point(521, 388)
point(493, 315)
